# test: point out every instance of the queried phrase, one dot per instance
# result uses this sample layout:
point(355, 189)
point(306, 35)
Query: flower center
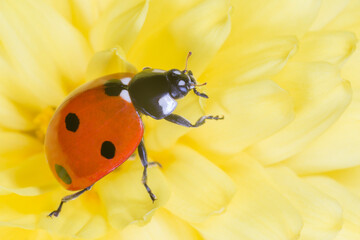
point(42, 121)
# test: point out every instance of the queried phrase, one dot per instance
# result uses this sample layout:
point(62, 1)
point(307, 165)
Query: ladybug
point(99, 126)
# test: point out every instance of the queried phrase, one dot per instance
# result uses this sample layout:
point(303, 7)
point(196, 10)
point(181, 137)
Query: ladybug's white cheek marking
point(125, 95)
point(167, 104)
point(125, 81)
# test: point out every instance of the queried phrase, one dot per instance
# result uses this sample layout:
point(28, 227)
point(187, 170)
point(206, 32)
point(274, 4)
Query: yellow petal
point(259, 19)
point(347, 20)
point(257, 211)
point(328, 11)
point(337, 148)
point(154, 21)
point(29, 178)
point(40, 64)
point(349, 178)
point(348, 201)
point(199, 188)
point(80, 218)
point(320, 97)
point(15, 147)
point(331, 47)
point(62, 7)
point(119, 25)
point(13, 233)
point(12, 117)
point(351, 71)
point(108, 62)
point(321, 214)
point(163, 225)
point(252, 112)
point(340, 141)
point(249, 62)
point(81, 13)
point(202, 30)
point(125, 197)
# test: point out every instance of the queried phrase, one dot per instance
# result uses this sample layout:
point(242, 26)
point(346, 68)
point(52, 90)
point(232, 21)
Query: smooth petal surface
point(262, 19)
point(108, 62)
point(34, 71)
point(125, 197)
point(16, 147)
point(322, 216)
point(199, 188)
point(348, 201)
point(348, 19)
point(257, 211)
point(13, 233)
point(320, 97)
point(328, 11)
point(163, 225)
point(119, 25)
point(202, 30)
point(244, 108)
point(349, 178)
point(339, 142)
point(29, 178)
point(12, 117)
point(332, 47)
point(254, 61)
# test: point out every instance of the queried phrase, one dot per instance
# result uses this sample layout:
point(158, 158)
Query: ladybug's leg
point(146, 164)
point(66, 199)
point(184, 122)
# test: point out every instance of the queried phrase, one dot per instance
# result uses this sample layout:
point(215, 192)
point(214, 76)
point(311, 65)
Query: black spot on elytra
point(108, 150)
point(72, 122)
point(114, 87)
point(63, 174)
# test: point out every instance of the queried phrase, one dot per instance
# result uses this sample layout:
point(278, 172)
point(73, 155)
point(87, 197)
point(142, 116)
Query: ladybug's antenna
point(187, 58)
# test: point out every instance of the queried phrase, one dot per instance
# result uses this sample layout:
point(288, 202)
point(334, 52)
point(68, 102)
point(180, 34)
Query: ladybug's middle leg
point(146, 164)
point(66, 199)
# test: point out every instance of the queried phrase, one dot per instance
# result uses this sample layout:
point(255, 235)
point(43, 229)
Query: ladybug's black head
point(181, 82)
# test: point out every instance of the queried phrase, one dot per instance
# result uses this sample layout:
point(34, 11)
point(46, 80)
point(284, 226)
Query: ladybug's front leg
point(146, 164)
point(184, 122)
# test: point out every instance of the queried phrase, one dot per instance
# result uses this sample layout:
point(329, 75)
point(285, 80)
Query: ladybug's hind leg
point(66, 199)
point(146, 164)
point(184, 122)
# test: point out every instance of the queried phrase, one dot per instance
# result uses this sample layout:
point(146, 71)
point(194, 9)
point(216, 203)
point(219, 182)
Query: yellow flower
point(284, 164)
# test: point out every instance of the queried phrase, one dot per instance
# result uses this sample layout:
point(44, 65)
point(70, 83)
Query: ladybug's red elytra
point(99, 126)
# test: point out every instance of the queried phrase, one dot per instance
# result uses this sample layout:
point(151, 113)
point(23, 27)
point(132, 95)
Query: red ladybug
point(99, 126)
